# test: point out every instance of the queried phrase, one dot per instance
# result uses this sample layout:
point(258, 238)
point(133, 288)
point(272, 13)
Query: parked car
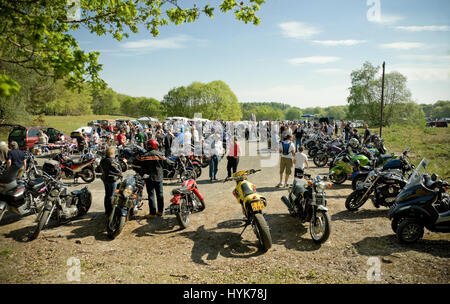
point(438, 124)
point(53, 134)
point(95, 123)
point(25, 137)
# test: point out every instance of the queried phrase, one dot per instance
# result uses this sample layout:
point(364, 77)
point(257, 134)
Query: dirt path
point(211, 250)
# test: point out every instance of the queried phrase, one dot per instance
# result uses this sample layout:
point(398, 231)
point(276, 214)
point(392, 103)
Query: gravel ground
point(212, 250)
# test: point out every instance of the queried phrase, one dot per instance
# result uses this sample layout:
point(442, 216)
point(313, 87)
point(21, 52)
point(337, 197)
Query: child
point(300, 160)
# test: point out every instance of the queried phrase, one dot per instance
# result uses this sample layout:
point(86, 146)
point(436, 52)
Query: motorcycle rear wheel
point(320, 160)
point(409, 231)
point(87, 175)
point(324, 223)
point(183, 214)
point(354, 201)
point(198, 170)
point(262, 232)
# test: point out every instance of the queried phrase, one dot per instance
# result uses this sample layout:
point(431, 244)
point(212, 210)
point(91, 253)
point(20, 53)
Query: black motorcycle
point(307, 202)
point(423, 202)
point(382, 187)
point(179, 167)
point(126, 203)
point(62, 205)
point(126, 155)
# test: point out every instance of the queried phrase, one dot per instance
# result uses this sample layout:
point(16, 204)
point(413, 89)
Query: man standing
point(287, 151)
point(298, 137)
point(151, 163)
point(15, 164)
point(233, 156)
point(367, 134)
point(110, 173)
point(216, 152)
point(168, 143)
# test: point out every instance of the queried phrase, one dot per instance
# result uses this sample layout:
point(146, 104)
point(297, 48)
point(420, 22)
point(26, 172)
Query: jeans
point(298, 143)
point(109, 194)
point(232, 164)
point(153, 187)
point(213, 166)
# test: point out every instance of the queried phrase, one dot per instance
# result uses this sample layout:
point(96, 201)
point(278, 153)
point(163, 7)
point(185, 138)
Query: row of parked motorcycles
point(416, 199)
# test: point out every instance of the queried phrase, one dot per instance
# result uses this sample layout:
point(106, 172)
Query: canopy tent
point(308, 115)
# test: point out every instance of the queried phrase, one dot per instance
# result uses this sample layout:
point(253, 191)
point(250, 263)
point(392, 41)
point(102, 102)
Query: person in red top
point(121, 138)
point(234, 152)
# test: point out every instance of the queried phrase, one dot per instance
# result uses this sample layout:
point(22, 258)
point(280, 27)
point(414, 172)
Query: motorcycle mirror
point(434, 177)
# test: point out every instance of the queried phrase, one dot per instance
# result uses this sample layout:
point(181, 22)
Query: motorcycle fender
point(124, 211)
point(322, 208)
point(3, 206)
point(410, 209)
point(48, 207)
point(176, 200)
point(335, 170)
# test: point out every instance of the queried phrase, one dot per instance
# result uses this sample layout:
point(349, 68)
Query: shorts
point(286, 164)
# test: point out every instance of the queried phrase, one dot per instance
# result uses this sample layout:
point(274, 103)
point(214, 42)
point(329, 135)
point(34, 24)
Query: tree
point(38, 35)
point(105, 101)
point(441, 109)
point(293, 114)
point(150, 107)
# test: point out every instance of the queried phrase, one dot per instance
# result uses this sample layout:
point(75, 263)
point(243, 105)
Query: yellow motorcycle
point(252, 205)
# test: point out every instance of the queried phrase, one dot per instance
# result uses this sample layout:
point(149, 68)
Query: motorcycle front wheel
point(87, 175)
point(313, 152)
point(2, 213)
point(115, 226)
point(183, 214)
point(320, 227)
point(42, 221)
point(338, 179)
point(262, 232)
point(355, 200)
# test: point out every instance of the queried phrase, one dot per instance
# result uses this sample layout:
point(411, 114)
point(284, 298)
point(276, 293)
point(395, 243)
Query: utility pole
point(382, 101)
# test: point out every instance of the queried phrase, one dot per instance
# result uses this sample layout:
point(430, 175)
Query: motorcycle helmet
point(354, 143)
point(152, 144)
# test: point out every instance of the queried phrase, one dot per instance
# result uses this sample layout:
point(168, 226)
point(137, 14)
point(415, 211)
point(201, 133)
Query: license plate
point(256, 206)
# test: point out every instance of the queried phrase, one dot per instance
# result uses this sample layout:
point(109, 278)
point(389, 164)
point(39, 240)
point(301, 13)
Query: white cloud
point(298, 95)
point(416, 72)
point(428, 28)
point(330, 71)
point(339, 42)
point(403, 45)
point(433, 58)
point(298, 30)
point(176, 42)
point(313, 60)
point(387, 19)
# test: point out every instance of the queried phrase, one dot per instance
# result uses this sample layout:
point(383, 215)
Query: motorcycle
point(343, 167)
point(423, 203)
point(328, 151)
point(83, 168)
point(307, 202)
point(360, 173)
point(252, 205)
point(126, 203)
point(180, 168)
point(186, 200)
point(128, 154)
point(62, 205)
point(382, 187)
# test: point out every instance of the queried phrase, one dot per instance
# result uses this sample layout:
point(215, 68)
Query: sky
point(301, 54)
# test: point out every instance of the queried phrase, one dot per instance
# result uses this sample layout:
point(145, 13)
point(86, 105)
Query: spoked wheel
point(409, 231)
point(355, 200)
point(2, 213)
point(320, 227)
point(262, 232)
point(183, 214)
point(198, 170)
point(320, 160)
point(42, 221)
point(87, 175)
point(313, 152)
point(357, 181)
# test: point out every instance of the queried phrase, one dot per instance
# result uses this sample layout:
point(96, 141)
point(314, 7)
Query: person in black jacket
point(168, 143)
point(110, 173)
point(151, 163)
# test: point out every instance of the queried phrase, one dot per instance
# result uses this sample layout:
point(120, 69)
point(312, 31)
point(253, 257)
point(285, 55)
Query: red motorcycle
point(186, 200)
point(83, 168)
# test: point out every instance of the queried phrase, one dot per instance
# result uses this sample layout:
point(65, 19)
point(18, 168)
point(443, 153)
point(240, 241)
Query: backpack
point(286, 147)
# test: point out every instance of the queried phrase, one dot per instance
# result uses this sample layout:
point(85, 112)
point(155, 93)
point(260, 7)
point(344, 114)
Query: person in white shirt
point(216, 153)
point(287, 150)
point(300, 161)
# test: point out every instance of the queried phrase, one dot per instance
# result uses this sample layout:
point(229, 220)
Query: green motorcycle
point(343, 167)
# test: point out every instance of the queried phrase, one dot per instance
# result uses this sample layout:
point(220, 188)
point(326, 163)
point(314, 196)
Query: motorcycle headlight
point(54, 193)
point(321, 185)
point(127, 191)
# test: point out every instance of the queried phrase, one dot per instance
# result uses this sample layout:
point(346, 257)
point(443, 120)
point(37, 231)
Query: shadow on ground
point(359, 215)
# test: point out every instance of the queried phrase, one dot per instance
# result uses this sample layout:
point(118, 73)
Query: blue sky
point(301, 54)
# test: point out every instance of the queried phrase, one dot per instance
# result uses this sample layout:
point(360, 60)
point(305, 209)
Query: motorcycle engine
point(387, 193)
point(68, 209)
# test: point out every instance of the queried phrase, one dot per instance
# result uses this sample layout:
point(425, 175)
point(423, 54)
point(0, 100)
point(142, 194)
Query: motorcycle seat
point(181, 190)
point(246, 189)
point(36, 182)
point(5, 187)
point(77, 192)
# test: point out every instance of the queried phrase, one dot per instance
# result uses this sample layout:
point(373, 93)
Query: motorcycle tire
point(409, 231)
point(339, 179)
point(183, 214)
point(354, 201)
point(262, 232)
point(42, 220)
point(118, 223)
point(198, 170)
point(2, 213)
point(357, 180)
point(320, 160)
point(87, 175)
point(322, 219)
point(313, 152)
